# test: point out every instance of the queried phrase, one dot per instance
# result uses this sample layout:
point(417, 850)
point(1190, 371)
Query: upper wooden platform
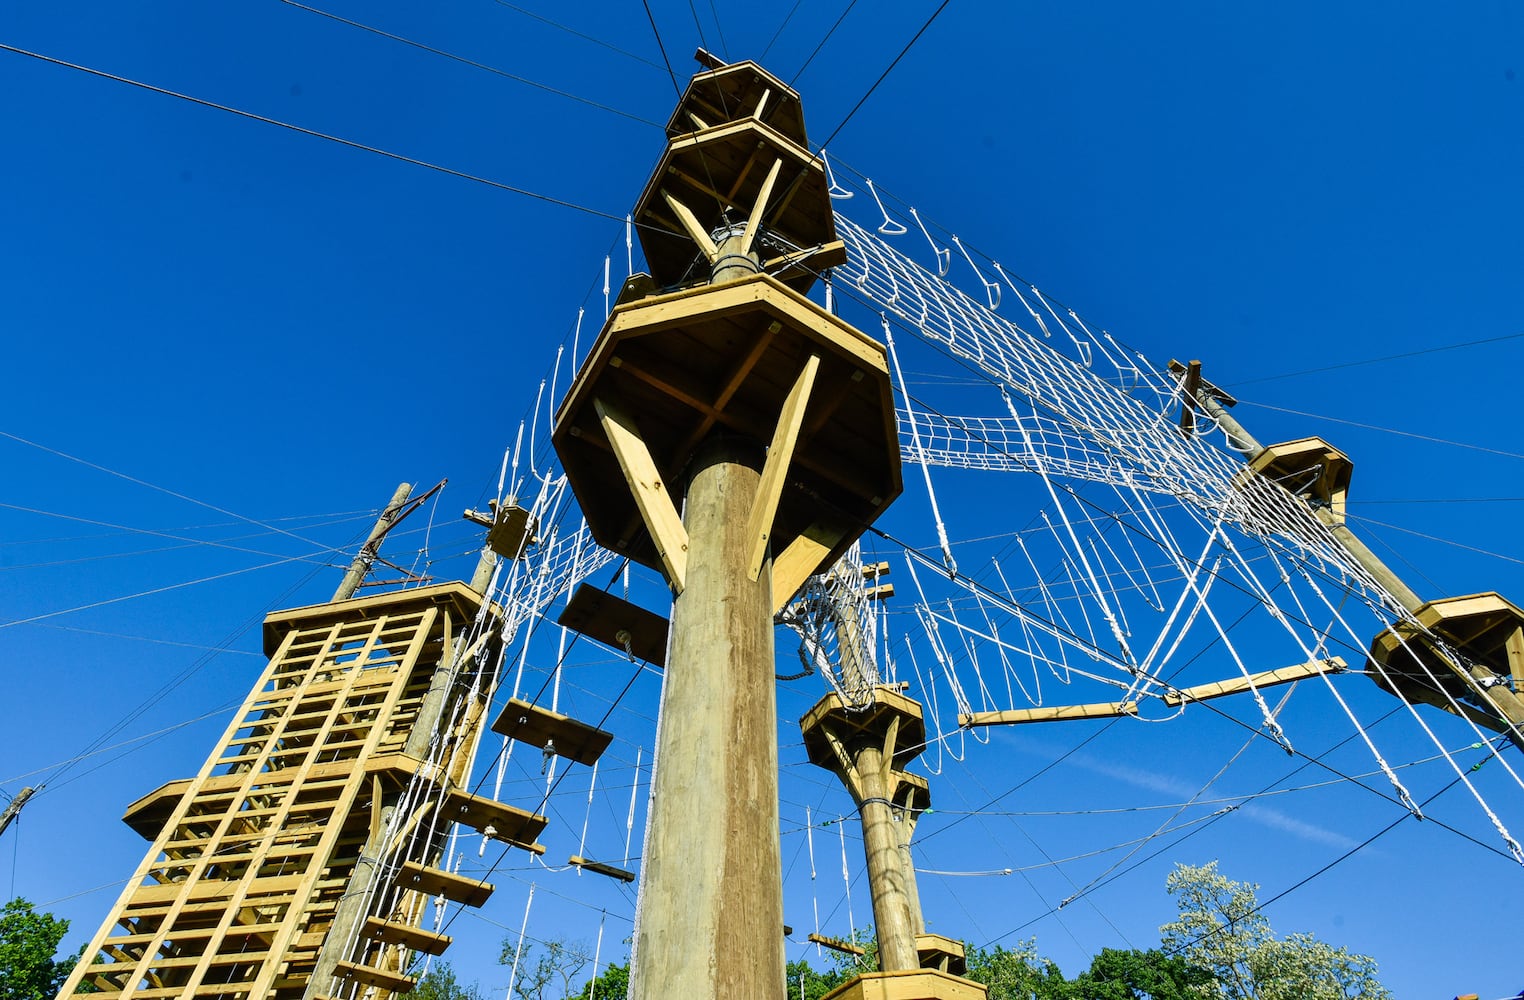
point(457, 596)
point(872, 723)
point(1487, 630)
point(725, 358)
point(1310, 468)
point(719, 173)
point(735, 92)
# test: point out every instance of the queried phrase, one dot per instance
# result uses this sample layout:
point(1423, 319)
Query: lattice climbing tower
point(302, 860)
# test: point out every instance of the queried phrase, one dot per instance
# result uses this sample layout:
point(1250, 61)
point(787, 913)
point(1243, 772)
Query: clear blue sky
point(280, 326)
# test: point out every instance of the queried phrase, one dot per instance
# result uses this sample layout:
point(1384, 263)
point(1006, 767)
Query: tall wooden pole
point(367, 554)
point(711, 886)
point(710, 918)
point(1478, 678)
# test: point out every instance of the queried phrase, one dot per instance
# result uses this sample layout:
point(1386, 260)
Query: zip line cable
point(657, 32)
point(772, 41)
point(1384, 430)
point(352, 144)
point(800, 71)
point(122, 475)
point(572, 31)
point(1375, 361)
point(472, 62)
point(917, 37)
point(191, 541)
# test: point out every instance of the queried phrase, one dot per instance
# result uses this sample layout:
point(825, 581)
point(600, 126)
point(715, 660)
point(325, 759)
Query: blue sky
point(279, 326)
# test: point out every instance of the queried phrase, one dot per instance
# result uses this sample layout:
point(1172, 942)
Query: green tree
point(807, 983)
point(441, 984)
point(1016, 974)
point(1220, 929)
point(549, 974)
point(1139, 975)
point(613, 984)
point(28, 941)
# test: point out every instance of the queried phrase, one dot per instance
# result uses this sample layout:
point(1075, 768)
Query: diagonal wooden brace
point(691, 224)
point(759, 526)
point(755, 221)
point(651, 495)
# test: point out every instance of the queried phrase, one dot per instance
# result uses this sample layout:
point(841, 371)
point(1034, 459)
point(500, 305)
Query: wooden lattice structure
point(356, 739)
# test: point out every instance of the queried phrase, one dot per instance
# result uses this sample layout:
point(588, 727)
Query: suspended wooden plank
point(600, 615)
point(1267, 678)
point(437, 882)
point(495, 819)
point(546, 730)
point(1058, 713)
point(408, 936)
point(381, 979)
point(599, 868)
point(837, 944)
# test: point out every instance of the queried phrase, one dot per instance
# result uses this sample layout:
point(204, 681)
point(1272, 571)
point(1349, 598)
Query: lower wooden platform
point(916, 984)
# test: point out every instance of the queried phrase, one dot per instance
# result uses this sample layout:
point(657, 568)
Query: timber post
point(754, 433)
point(1484, 682)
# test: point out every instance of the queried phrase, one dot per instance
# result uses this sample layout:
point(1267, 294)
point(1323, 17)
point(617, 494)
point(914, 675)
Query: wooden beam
point(1267, 678)
point(691, 224)
point(753, 223)
point(651, 496)
point(1059, 713)
point(801, 560)
point(764, 507)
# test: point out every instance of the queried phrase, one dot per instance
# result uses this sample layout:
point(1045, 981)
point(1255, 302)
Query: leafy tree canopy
point(1221, 930)
point(28, 940)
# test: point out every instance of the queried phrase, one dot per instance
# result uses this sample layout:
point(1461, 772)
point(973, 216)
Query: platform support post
point(711, 880)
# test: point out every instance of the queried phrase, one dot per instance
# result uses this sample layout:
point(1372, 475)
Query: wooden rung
point(600, 615)
point(507, 823)
point(837, 944)
point(599, 868)
point(880, 592)
point(872, 571)
point(437, 882)
point(410, 937)
point(382, 979)
point(546, 730)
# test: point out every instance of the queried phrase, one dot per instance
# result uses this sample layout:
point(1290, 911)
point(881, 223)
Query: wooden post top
point(830, 720)
point(726, 93)
point(1310, 468)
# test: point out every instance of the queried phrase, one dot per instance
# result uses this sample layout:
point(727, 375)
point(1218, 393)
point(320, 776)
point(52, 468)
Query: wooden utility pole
point(366, 557)
point(1486, 629)
point(13, 808)
point(755, 434)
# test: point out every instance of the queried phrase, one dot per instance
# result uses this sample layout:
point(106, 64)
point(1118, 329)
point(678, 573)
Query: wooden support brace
point(655, 502)
point(754, 222)
point(801, 560)
point(1515, 649)
point(764, 507)
point(691, 224)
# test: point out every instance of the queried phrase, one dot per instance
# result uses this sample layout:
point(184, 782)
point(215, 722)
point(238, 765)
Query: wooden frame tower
point(300, 860)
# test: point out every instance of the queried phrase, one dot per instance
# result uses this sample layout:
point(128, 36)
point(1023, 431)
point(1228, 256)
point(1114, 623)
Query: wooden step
point(506, 823)
point(546, 730)
point(437, 882)
point(599, 868)
point(410, 937)
point(381, 979)
point(600, 615)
